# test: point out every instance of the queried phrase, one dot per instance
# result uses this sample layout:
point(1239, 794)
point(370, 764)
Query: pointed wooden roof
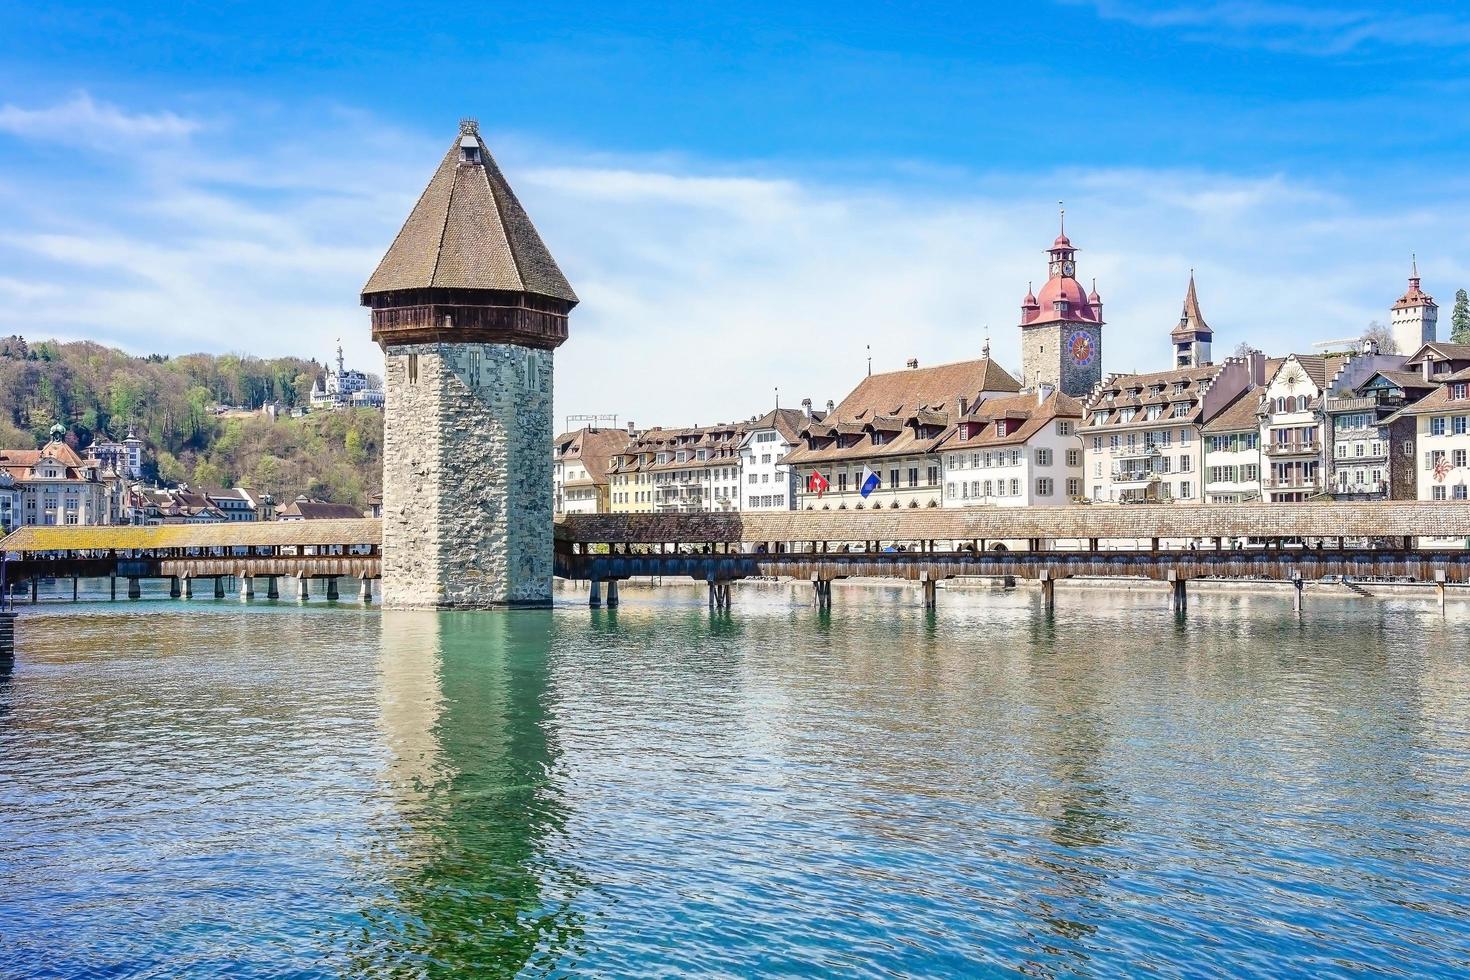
point(468, 231)
point(1191, 320)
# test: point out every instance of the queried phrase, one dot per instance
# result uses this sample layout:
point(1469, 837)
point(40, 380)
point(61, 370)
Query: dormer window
point(469, 150)
point(1458, 390)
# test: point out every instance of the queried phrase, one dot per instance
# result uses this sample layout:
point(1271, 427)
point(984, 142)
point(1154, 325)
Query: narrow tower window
point(413, 369)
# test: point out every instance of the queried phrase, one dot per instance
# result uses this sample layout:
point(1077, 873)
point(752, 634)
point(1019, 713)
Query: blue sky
point(745, 195)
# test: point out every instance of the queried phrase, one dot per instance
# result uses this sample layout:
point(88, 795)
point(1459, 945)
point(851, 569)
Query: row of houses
point(1356, 423)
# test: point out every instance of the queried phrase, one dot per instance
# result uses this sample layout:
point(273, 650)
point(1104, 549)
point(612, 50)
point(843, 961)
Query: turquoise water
point(211, 789)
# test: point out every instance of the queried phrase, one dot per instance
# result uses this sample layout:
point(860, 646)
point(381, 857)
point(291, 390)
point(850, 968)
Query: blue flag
point(870, 481)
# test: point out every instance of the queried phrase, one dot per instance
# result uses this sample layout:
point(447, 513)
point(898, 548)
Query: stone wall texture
point(467, 493)
point(1043, 356)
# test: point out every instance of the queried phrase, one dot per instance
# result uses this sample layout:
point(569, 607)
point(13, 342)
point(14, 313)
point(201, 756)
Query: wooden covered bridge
point(1423, 542)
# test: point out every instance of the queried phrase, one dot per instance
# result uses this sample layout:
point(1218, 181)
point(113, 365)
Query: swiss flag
point(817, 484)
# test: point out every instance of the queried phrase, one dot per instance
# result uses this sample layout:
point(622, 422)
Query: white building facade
point(1015, 451)
point(766, 481)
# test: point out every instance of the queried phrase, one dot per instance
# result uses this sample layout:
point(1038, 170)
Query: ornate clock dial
point(1068, 268)
point(1081, 348)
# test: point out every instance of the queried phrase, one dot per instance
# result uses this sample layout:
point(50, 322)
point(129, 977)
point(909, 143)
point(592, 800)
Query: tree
point(1243, 350)
point(1460, 319)
point(1383, 336)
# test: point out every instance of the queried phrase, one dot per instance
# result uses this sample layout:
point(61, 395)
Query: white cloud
point(1314, 29)
point(83, 121)
point(702, 290)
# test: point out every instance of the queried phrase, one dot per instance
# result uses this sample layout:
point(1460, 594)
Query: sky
point(748, 198)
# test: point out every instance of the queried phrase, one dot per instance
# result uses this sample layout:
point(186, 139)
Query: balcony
point(1134, 451)
point(1295, 482)
point(1293, 448)
point(1133, 476)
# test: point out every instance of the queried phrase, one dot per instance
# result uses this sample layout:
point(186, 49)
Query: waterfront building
point(469, 306)
point(1367, 457)
point(767, 481)
point(1061, 327)
point(1019, 450)
point(10, 503)
point(54, 486)
point(1232, 439)
point(1436, 362)
point(124, 458)
point(1144, 433)
point(1294, 414)
point(344, 388)
point(1414, 316)
point(238, 505)
point(892, 426)
point(1441, 421)
point(153, 506)
point(679, 471)
point(579, 476)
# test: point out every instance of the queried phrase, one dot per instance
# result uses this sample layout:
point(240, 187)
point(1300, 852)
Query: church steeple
point(1193, 335)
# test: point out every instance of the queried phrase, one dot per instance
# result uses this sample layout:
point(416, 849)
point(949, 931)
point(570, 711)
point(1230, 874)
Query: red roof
point(1079, 308)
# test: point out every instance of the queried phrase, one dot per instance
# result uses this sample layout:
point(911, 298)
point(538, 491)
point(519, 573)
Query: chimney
point(913, 363)
point(964, 406)
point(806, 406)
point(632, 429)
point(1043, 392)
point(831, 406)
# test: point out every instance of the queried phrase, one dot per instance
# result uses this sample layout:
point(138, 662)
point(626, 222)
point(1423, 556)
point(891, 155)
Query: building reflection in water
point(472, 887)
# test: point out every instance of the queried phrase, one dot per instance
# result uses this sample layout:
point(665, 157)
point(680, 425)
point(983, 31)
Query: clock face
point(1068, 268)
point(1081, 348)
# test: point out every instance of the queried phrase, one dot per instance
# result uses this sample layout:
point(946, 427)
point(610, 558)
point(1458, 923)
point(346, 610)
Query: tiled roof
point(901, 393)
point(1116, 394)
point(1191, 320)
point(358, 531)
point(788, 422)
point(1239, 415)
point(318, 510)
point(980, 428)
point(468, 231)
point(1413, 518)
point(1433, 403)
point(593, 448)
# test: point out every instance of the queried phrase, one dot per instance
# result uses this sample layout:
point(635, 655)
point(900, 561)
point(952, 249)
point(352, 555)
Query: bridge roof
point(995, 523)
point(358, 531)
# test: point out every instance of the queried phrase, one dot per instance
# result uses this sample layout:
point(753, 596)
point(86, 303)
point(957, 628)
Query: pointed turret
point(1193, 335)
point(1414, 319)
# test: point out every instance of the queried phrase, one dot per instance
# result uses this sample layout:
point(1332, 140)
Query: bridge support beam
point(35, 589)
point(173, 587)
point(594, 594)
point(719, 595)
point(1048, 591)
point(1439, 588)
point(303, 588)
point(1296, 594)
point(1178, 594)
point(188, 586)
point(822, 593)
point(76, 587)
point(247, 588)
point(612, 593)
point(272, 587)
point(332, 594)
point(219, 586)
point(112, 586)
point(135, 587)
point(930, 591)
point(366, 593)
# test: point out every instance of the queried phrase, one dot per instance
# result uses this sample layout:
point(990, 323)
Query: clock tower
point(1061, 327)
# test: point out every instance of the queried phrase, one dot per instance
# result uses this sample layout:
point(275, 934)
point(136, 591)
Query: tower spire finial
point(1413, 266)
point(1062, 217)
point(985, 348)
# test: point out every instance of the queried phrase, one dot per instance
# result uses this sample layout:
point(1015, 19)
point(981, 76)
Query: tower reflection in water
point(472, 887)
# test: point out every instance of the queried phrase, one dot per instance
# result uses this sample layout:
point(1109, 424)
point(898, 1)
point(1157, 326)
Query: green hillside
point(173, 403)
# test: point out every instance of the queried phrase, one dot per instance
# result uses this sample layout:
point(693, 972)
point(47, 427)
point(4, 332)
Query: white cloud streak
point(83, 121)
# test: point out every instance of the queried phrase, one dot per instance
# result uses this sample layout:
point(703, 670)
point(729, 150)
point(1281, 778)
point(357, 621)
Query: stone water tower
point(468, 306)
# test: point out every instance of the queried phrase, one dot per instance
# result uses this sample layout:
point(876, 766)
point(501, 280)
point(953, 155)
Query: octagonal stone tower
point(468, 306)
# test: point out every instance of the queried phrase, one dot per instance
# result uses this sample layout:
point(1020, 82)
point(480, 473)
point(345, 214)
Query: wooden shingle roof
point(468, 231)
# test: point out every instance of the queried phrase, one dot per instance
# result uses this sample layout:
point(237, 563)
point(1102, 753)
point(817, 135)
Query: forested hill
point(176, 406)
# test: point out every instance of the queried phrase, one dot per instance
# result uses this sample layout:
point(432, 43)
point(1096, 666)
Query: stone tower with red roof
point(1414, 319)
point(1061, 327)
point(468, 306)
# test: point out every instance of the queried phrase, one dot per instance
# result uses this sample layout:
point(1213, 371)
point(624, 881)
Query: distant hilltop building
point(123, 458)
point(344, 389)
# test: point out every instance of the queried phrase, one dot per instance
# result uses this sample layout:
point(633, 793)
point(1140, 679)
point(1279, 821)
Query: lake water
point(211, 789)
